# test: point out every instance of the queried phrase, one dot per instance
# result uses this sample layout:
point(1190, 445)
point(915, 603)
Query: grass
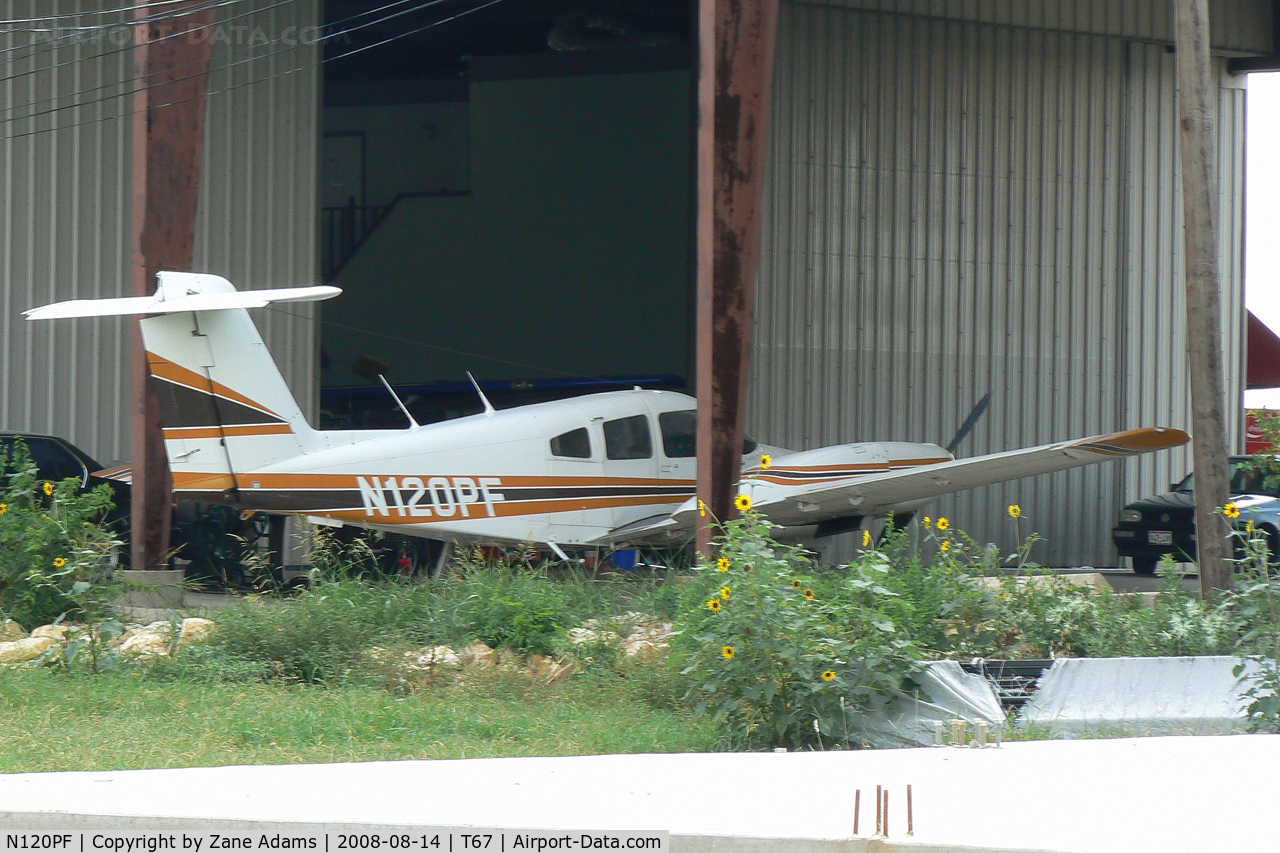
point(123, 720)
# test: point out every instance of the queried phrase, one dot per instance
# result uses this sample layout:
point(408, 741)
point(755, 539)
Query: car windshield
point(1246, 479)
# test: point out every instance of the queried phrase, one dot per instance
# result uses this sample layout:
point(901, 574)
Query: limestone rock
point(146, 643)
point(432, 657)
point(10, 630)
point(195, 630)
point(28, 648)
point(53, 632)
point(642, 635)
point(478, 653)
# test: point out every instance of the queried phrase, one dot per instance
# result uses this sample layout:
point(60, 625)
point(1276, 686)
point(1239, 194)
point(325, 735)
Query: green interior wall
point(571, 255)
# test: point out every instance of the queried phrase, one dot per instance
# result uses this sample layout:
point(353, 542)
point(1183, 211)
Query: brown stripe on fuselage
point(349, 481)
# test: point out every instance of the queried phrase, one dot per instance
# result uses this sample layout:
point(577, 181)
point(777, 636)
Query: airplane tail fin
point(225, 408)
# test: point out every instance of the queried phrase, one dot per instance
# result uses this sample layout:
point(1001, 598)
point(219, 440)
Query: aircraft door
point(574, 460)
point(630, 465)
point(679, 445)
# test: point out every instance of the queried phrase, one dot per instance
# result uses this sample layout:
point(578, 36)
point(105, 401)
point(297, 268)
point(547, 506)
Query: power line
point(211, 4)
point(234, 87)
point(133, 88)
point(133, 8)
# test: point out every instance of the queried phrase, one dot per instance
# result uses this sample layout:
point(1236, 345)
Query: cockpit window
point(575, 444)
point(628, 438)
point(679, 434)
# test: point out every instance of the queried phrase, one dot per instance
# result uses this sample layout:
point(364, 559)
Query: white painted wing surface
point(785, 502)
point(147, 305)
point(788, 503)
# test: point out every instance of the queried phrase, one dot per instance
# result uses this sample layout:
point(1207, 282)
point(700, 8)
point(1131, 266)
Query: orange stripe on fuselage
point(349, 481)
point(228, 430)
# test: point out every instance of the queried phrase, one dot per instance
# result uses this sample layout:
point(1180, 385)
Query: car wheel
point(1144, 565)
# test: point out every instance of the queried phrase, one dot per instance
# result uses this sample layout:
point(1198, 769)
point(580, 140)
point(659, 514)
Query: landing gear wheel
point(1144, 565)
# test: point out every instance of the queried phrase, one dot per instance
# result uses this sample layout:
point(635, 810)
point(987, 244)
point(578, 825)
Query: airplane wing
point(782, 497)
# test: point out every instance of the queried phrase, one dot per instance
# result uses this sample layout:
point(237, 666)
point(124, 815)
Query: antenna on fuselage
point(396, 397)
point(488, 407)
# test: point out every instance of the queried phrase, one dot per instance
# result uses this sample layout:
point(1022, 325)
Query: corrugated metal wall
point(65, 199)
point(956, 207)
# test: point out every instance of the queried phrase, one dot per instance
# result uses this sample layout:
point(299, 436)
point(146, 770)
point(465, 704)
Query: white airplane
point(608, 469)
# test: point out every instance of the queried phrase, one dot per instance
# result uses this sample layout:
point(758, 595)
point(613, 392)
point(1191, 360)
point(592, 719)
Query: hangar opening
point(506, 192)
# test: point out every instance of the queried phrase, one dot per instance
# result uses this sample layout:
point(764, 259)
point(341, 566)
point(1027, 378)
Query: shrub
point(774, 658)
point(55, 556)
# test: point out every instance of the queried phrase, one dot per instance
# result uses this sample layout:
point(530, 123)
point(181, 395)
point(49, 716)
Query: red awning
point(1264, 356)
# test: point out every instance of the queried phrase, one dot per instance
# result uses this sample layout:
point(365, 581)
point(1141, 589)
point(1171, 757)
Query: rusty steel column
point(736, 48)
point(171, 66)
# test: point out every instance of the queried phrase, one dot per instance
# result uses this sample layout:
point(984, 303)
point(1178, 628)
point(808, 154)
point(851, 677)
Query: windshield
point(1246, 479)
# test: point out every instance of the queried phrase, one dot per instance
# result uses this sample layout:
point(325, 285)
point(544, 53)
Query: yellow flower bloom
point(728, 652)
point(943, 524)
point(59, 562)
point(1015, 511)
point(809, 594)
point(702, 508)
point(48, 487)
point(714, 605)
point(724, 593)
point(4, 508)
point(723, 564)
point(1248, 525)
point(766, 461)
point(945, 545)
point(928, 522)
point(796, 584)
point(828, 675)
point(1231, 510)
point(742, 502)
point(866, 538)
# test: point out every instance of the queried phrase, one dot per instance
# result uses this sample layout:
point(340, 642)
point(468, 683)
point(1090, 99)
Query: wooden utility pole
point(171, 66)
point(1196, 112)
point(735, 85)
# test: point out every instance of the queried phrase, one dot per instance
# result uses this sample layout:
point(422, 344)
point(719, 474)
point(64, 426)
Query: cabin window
point(679, 434)
point(628, 438)
point(575, 444)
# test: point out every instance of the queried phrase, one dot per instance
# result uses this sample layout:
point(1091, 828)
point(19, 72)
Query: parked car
point(1166, 524)
point(57, 459)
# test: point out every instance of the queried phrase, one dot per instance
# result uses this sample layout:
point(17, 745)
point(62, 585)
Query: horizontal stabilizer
point(148, 305)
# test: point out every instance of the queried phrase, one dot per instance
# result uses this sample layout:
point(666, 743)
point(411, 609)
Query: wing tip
point(1141, 440)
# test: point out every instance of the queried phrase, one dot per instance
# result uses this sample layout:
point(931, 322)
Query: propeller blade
point(969, 423)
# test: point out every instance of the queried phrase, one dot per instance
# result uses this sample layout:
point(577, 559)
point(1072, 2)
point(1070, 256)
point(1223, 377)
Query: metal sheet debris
point(946, 692)
point(1127, 697)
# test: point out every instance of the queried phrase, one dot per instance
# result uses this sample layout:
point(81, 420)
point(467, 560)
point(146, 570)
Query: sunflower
point(766, 461)
point(945, 544)
point(1231, 510)
point(796, 584)
point(742, 502)
point(1015, 511)
point(866, 538)
point(943, 524)
point(4, 508)
point(714, 605)
point(928, 523)
point(828, 675)
point(809, 594)
point(48, 487)
point(702, 508)
point(724, 593)
point(728, 652)
point(723, 564)
point(59, 562)
point(1248, 525)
